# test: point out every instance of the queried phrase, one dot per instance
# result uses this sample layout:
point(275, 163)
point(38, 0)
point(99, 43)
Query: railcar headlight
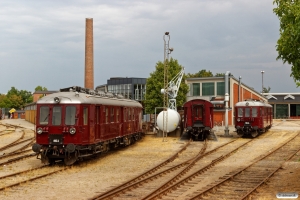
point(72, 131)
point(39, 130)
point(238, 119)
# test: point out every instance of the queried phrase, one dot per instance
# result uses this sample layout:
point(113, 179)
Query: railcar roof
point(252, 103)
point(197, 101)
point(82, 98)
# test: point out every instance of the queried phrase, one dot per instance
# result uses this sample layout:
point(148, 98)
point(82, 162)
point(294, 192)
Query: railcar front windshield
point(56, 115)
point(240, 112)
point(254, 112)
point(70, 115)
point(44, 115)
point(247, 112)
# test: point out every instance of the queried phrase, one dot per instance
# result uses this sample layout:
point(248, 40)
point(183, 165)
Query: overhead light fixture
point(56, 99)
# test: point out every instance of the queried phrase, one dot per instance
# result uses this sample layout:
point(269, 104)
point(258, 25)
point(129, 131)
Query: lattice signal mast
point(167, 51)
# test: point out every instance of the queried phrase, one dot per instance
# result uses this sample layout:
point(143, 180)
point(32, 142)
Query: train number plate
point(56, 139)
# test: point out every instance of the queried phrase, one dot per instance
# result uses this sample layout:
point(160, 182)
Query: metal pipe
point(226, 104)
point(239, 91)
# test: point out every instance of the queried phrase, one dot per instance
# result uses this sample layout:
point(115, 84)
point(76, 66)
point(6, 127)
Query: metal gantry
point(172, 89)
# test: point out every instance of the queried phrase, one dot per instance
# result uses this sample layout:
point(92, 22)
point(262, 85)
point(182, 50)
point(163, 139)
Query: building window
point(196, 89)
point(208, 89)
point(220, 88)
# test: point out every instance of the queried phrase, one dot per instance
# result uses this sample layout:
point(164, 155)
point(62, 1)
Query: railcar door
point(92, 124)
point(118, 121)
point(97, 124)
point(198, 115)
point(84, 131)
point(121, 118)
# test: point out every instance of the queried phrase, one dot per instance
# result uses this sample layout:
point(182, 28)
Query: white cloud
point(39, 38)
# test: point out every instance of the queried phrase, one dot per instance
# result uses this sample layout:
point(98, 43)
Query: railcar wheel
point(254, 134)
point(70, 159)
point(240, 133)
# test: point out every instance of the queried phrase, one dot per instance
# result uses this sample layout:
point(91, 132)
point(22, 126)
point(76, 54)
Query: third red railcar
point(253, 117)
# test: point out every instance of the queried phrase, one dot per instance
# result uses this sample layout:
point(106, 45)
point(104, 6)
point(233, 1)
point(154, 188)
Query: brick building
point(213, 89)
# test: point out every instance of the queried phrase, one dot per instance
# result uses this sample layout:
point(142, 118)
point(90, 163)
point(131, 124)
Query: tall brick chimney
point(89, 54)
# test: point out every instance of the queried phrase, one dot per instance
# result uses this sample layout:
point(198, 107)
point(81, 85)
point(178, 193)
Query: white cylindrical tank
point(172, 123)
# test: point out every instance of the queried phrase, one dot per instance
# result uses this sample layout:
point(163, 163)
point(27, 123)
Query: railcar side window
point(254, 112)
point(240, 112)
point(125, 114)
point(129, 114)
point(112, 115)
point(56, 115)
point(44, 115)
point(133, 116)
point(117, 119)
point(106, 115)
point(85, 116)
point(70, 115)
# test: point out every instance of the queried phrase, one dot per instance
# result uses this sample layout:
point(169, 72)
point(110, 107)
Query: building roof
point(283, 97)
point(45, 92)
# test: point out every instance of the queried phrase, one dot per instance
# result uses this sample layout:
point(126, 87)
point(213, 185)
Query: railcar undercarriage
point(71, 153)
point(198, 133)
point(250, 131)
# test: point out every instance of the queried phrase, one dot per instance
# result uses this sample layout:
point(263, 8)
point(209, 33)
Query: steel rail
point(164, 189)
point(211, 188)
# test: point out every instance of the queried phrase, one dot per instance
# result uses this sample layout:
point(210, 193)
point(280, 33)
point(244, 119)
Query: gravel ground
point(87, 179)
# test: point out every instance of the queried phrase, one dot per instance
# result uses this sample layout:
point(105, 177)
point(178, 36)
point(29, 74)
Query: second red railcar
point(198, 118)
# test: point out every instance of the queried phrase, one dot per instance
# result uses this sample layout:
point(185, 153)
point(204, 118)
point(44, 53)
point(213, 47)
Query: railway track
point(26, 176)
point(19, 147)
point(135, 189)
point(160, 184)
point(241, 183)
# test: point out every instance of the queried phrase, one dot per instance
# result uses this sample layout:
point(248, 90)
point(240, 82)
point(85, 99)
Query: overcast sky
point(42, 42)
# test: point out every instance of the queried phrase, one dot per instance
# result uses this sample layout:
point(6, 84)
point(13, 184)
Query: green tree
point(201, 73)
point(220, 74)
point(40, 88)
point(266, 90)
point(155, 83)
point(16, 99)
point(2, 99)
point(288, 12)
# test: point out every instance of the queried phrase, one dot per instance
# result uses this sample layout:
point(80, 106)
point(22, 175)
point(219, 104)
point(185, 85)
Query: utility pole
point(262, 81)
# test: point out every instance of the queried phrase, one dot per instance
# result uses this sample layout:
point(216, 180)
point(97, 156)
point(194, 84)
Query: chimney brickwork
point(89, 54)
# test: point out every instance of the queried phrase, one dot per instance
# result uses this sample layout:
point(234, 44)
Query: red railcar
point(253, 117)
point(198, 118)
point(76, 123)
